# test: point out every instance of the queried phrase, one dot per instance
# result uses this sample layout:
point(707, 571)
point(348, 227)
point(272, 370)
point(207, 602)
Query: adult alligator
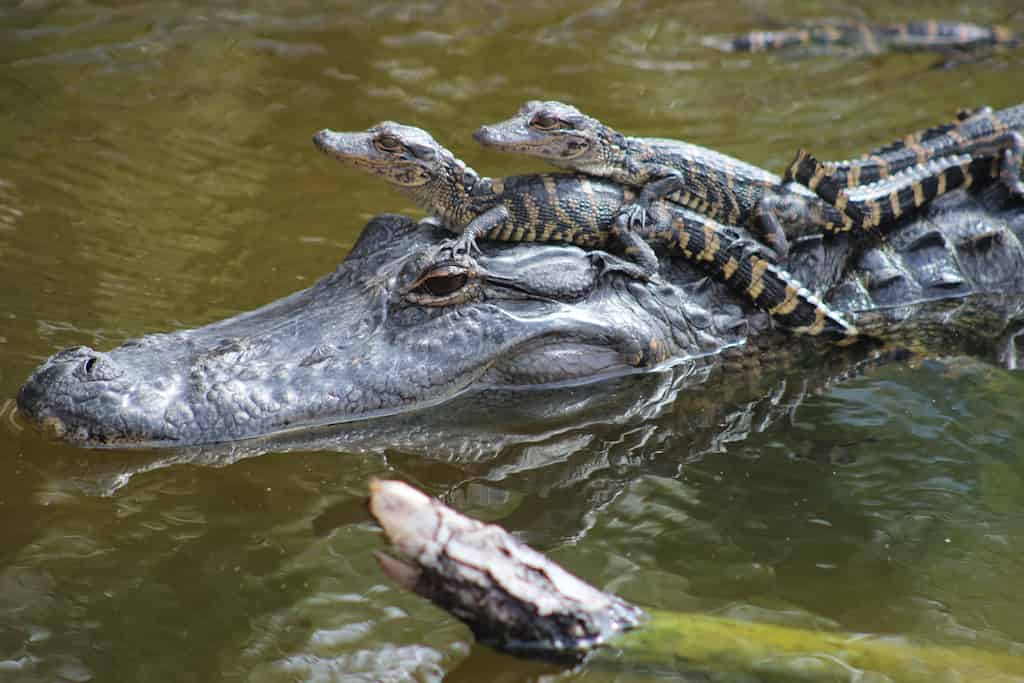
point(402, 324)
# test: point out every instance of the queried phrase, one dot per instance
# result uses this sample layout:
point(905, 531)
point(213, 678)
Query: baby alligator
point(574, 209)
point(982, 133)
point(873, 208)
point(702, 179)
point(915, 35)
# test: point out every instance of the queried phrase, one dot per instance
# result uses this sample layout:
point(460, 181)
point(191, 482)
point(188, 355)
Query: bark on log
point(509, 595)
point(514, 598)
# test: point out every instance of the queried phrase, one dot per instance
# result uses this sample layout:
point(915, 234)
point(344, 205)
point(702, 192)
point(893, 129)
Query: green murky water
point(156, 173)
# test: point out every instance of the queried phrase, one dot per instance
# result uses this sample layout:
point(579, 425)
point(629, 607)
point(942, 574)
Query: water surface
point(156, 172)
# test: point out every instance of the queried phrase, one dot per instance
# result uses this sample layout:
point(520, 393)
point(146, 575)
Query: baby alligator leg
point(639, 210)
point(767, 225)
point(771, 212)
point(627, 239)
point(1008, 147)
point(478, 227)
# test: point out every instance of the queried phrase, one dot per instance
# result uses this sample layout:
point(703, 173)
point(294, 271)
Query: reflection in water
point(159, 175)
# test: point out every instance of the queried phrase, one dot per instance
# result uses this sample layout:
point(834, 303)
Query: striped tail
point(769, 287)
point(945, 35)
point(815, 175)
point(893, 199)
point(927, 134)
point(760, 41)
point(980, 132)
point(917, 35)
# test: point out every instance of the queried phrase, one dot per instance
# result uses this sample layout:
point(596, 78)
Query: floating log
point(515, 599)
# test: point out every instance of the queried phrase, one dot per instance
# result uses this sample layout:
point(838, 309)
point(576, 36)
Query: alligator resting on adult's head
point(403, 324)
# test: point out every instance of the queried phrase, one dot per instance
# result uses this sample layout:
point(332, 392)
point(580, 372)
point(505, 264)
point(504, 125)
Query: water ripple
point(160, 175)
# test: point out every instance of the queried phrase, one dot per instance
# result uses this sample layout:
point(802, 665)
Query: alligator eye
point(388, 143)
point(423, 152)
point(544, 121)
point(443, 284)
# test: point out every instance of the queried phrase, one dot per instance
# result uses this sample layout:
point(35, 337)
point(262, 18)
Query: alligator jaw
point(348, 147)
point(405, 156)
point(515, 136)
point(354, 149)
point(568, 135)
point(358, 344)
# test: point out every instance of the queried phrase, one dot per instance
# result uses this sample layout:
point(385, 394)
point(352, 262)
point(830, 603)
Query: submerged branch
point(511, 596)
point(515, 599)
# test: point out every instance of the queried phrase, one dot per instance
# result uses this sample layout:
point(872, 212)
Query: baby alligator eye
point(388, 143)
point(544, 121)
point(443, 284)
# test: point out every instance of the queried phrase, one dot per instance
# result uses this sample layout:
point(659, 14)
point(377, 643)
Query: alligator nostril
point(90, 364)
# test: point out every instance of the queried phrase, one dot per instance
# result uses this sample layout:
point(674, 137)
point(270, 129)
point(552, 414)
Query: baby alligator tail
point(768, 286)
point(879, 213)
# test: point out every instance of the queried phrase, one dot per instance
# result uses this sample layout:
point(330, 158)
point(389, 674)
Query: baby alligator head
point(558, 132)
point(405, 156)
point(410, 159)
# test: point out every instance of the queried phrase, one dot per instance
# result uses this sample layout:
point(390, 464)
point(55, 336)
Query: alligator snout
point(484, 135)
point(67, 380)
point(79, 363)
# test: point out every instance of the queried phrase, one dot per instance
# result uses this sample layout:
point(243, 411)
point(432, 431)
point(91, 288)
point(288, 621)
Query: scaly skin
point(719, 186)
point(915, 35)
point(981, 134)
point(889, 202)
point(401, 326)
point(577, 210)
point(715, 184)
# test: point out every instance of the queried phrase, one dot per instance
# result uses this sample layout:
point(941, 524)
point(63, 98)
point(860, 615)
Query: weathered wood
point(514, 598)
point(510, 595)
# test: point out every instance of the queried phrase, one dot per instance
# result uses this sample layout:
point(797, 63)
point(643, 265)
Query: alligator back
point(717, 185)
point(955, 272)
point(558, 207)
point(981, 133)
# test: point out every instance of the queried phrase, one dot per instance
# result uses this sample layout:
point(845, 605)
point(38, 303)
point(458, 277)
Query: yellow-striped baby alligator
point(914, 35)
point(712, 183)
point(877, 207)
point(981, 133)
point(574, 209)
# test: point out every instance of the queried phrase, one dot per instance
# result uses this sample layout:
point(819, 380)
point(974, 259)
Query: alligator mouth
point(487, 136)
point(64, 397)
point(117, 400)
point(353, 150)
point(57, 429)
point(534, 145)
point(337, 147)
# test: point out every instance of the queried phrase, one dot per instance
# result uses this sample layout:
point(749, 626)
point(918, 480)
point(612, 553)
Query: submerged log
point(509, 595)
point(515, 599)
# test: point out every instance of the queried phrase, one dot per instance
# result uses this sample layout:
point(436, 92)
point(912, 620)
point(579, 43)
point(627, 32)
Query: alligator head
point(559, 133)
point(410, 160)
point(403, 323)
